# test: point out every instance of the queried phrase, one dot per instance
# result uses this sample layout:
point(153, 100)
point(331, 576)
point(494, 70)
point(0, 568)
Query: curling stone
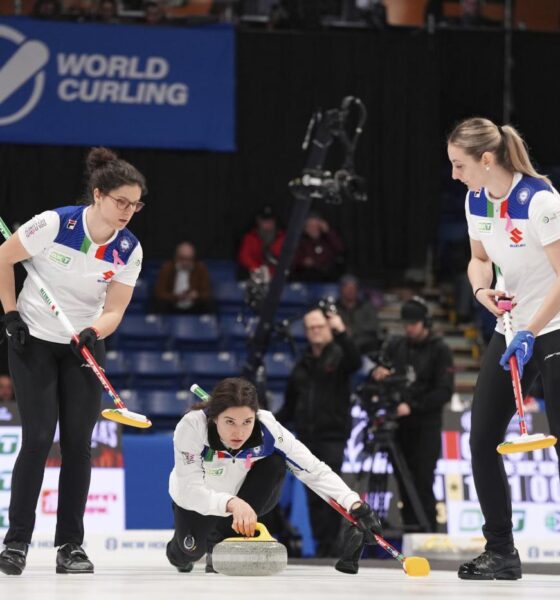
point(259, 555)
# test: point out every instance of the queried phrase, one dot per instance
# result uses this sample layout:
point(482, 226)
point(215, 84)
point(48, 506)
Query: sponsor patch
point(59, 258)
point(485, 227)
point(215, 471)
point(516, 235)
point(188, 458)
point(71, 223)
point(34, 227)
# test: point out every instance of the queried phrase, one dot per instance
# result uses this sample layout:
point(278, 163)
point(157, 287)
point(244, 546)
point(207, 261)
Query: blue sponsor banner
point(117, 85)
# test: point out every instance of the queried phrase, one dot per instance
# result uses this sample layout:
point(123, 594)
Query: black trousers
point(50, 385)
point(492, 410)
point(421, 448)
point(196, 533)
point(325, 522)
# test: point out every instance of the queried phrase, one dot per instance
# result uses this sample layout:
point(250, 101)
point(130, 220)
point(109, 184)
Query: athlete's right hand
point(244, 517)
point(86, 338)
point(17, 331)
point(489, 299)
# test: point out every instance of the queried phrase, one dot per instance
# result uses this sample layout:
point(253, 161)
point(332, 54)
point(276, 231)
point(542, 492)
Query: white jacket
point(205, 479)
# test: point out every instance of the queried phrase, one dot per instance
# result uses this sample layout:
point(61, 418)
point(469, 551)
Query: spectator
point(359, 315)
point(154, 14)
point(260, 247)
point(107, 12)
point(183, 284)
point(427, 361)
point(319, 255)
point(6, 389)
point(317, 405)
point(46, 9)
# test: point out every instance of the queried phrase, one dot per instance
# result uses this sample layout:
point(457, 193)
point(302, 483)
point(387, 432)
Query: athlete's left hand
point(522, 345)
point(87, 337)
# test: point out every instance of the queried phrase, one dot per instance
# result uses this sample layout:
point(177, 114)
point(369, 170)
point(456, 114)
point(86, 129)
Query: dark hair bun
point(98, 158)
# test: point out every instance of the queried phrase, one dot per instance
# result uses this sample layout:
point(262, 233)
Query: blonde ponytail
point(478, 135)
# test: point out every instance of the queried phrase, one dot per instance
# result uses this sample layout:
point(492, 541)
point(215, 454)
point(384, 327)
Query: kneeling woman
point(230, 462)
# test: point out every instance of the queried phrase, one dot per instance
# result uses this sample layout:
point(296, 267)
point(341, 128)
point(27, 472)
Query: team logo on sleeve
point(124, 244)
point(523, 195)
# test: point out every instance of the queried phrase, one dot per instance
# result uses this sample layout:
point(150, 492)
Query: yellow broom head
point(526, 443)
point(416, 566)
point(126, 417)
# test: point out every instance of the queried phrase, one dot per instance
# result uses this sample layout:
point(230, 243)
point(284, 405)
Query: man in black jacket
point(317, 407)
point(428, 361)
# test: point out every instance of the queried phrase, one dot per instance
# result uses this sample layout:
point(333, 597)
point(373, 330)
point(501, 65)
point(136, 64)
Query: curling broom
point(120, 414)
point(525, 442)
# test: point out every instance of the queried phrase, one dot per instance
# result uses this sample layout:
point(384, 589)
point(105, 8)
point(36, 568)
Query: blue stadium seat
point(221, 270)
point(194, 332)
point(167, 403)
point(235, 332)
point(294, 294)
point(230, 296)
point(317, 291)
point(117, 369)
point(132, 400)
point(297, 330)
point(140, 296)
point(142, 332)
point(150, 269)
point(207, 368)
point(278, 365)
point(156, 370)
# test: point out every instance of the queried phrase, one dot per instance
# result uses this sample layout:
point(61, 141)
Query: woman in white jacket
point(230, 462)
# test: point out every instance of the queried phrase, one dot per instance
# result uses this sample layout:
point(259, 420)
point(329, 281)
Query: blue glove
point(522, 344)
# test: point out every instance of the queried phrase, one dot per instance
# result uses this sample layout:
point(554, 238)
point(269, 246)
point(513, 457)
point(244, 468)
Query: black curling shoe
point(181, 566)
point(13, 557)
point(491, 565)
point(71, 558)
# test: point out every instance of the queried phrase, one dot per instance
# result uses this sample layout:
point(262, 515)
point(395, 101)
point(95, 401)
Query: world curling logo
point(22, 78)
point(80, 77)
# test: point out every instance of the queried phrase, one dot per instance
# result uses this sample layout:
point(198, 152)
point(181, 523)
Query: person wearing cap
point(260, 247)
point(320, 252)
point(426, 361)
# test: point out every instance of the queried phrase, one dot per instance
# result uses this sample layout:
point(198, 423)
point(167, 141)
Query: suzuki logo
point(23, 65)
point(516, 236)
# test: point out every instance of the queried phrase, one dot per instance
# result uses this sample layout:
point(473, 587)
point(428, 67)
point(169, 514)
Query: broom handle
point(514, 370)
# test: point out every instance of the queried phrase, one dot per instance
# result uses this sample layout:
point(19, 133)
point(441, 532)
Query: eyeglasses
point(126, 204)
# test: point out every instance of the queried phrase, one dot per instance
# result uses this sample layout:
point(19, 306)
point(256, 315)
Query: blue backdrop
point(117, 85)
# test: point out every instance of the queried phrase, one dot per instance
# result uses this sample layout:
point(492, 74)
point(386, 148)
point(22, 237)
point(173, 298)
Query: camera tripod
point(381, 438)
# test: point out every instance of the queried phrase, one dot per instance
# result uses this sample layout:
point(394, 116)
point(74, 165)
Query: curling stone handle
point(263, 536)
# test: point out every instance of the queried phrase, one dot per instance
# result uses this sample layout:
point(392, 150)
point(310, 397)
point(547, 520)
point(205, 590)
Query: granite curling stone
point(259, 555)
